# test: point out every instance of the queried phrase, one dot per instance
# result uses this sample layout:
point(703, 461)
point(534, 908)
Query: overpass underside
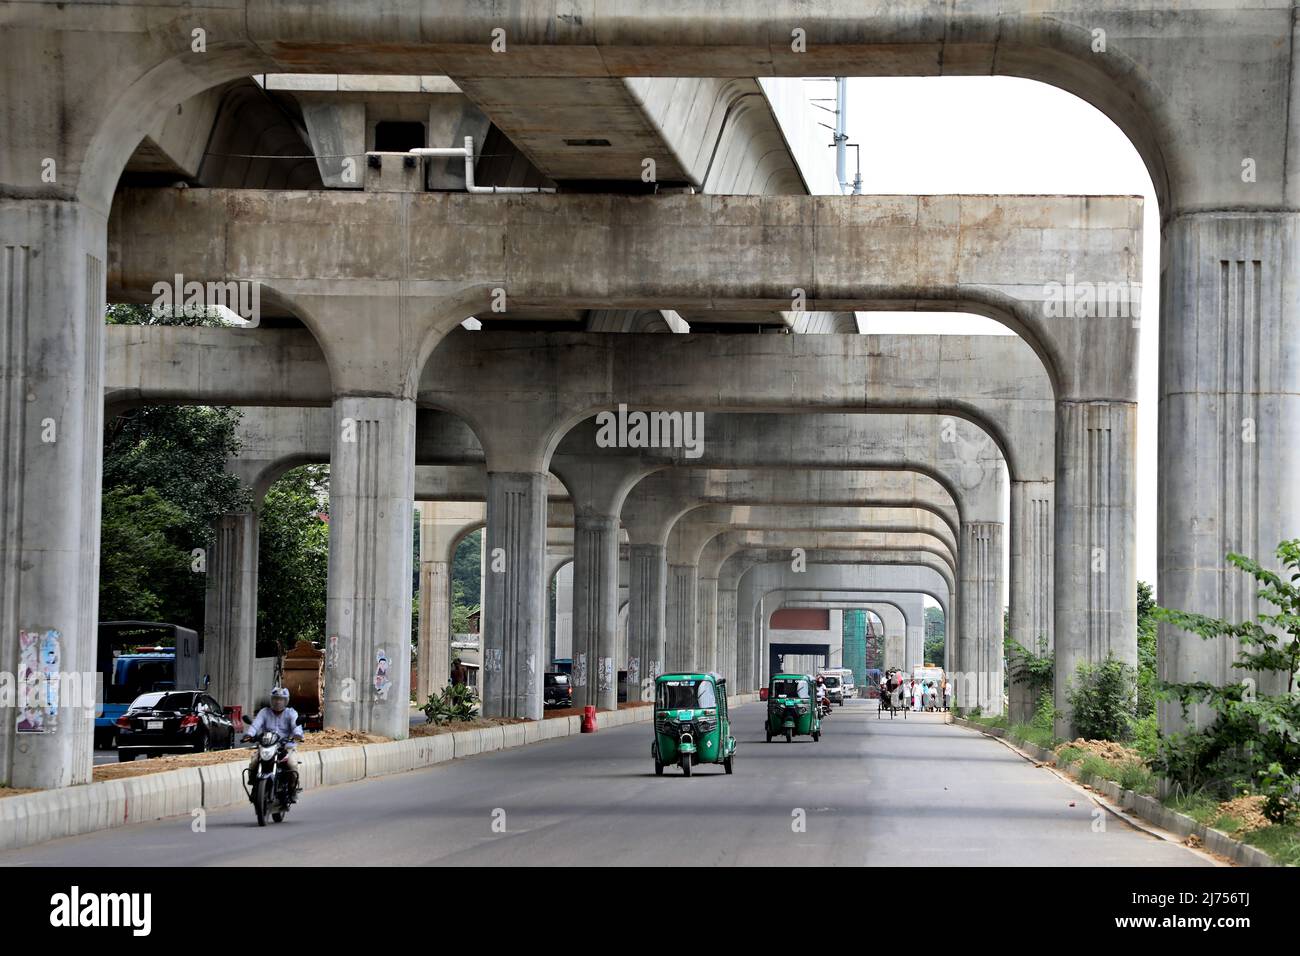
point(622, 176)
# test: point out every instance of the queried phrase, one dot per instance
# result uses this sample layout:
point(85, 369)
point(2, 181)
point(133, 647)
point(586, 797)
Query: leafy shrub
point(455, 703)
point(1103, 698)
point(1254, 738)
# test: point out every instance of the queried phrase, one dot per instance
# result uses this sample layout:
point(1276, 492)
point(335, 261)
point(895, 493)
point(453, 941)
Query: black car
point(557, 691)
point(173, 721)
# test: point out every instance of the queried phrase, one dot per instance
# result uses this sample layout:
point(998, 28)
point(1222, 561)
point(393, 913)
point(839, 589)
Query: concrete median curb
point(32, 818)
point(1140, 805)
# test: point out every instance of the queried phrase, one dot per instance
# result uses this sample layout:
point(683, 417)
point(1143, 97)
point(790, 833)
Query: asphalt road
point(873, 792)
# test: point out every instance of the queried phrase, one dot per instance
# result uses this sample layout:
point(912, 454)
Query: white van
point(845, 674)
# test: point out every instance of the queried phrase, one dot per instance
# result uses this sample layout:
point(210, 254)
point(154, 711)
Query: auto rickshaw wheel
point(817, 736)
point(788, 735)
point(769, 736)
point(686, 766)
point(726, 764)
point(659, 769)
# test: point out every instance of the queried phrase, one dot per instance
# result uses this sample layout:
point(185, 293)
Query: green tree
point(1255, 735)
point(1147, 679)
point(293, 560)
point(164, 485)
point(142, 570)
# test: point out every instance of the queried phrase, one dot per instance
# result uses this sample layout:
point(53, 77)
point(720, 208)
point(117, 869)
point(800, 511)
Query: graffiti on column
point(38, 681)
point(580, 670)
point(382, 680)
point(606, 675)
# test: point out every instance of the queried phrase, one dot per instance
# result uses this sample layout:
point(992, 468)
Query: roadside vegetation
point(1239, 772)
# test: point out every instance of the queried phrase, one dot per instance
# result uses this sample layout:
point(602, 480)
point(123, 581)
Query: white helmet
point(279, 695)
point(280, 692)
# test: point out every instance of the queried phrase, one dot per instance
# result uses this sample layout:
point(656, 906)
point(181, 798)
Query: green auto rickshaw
point(792, 708)
point(692, 724)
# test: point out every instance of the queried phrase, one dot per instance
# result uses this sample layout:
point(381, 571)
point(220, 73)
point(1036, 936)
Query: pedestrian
point(459, 673)
point(947, 695)
point(916, 694)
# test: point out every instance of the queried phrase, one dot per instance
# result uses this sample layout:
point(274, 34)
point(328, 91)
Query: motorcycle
point(275, 789)
point(824, 707)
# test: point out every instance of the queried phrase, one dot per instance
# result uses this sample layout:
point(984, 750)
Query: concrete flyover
point(563, 368)
point(379, 275)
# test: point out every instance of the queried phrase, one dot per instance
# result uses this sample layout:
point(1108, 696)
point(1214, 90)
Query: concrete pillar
point(595, 609)
point(434, 638)
point(368, 606)
point(680, 614)
point(706, 624)
point(746, 655)
point(51, 408)
point(1030, 603)
point(1095, 592)
point(979, 647)
point(564, 612)
point(728, 662)
point(1229, 427)
point(514, 595)
point(647, 582)
point(230, 611)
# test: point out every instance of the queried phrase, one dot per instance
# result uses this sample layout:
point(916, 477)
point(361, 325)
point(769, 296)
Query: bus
point(135, 657)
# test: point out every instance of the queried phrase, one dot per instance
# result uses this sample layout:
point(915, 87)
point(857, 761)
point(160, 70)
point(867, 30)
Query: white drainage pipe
point(450, 152)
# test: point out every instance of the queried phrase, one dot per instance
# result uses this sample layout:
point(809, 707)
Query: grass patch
point(1033, 733)
point(1282, 843)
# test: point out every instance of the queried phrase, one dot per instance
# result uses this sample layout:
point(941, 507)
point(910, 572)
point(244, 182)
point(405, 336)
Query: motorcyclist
point(821, 693)
point(282, 719)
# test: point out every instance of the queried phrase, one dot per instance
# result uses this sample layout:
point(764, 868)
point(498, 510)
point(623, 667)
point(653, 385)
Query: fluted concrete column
point(368, 606)
point(647, 583)
point(230, 611)
point(564, 612)
point(514, 594)
point(706, 624)
point(595, 610)
point(1096, 578)
point(51, 408)
point(1032, 580)
point(979, 648)
point(680, 614)
point(728, 664)
point(746, 654)
point(1229, 427)
point(434, 652)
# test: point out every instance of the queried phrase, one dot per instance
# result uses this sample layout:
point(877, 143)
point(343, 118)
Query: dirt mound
point(1249, 810)
point(322, 740)
point(334, 737)
point(138, 768)
point(433, 730)
point(1105, 749)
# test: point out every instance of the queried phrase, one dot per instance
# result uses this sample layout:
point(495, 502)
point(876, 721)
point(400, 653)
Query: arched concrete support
point(647, 617)
point(442, 527)
point(514, 597)
point(752, 599)
point(52, 256)
point(1229, 415)
point(230, 611)
point(368, 605)
point(973, 688)
point(1032, 557)
point(598, 489)
point(904, 613)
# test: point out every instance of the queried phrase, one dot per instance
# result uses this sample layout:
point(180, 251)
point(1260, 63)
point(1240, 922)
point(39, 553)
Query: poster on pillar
point(38, 681)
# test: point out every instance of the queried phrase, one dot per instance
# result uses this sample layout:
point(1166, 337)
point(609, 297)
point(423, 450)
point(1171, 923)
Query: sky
point(1006, 135)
